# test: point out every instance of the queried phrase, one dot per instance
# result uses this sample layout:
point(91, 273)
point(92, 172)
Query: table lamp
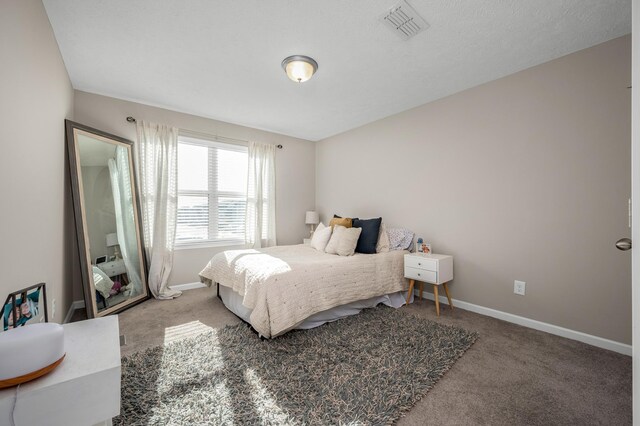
point(112, 241)
point(312, 218)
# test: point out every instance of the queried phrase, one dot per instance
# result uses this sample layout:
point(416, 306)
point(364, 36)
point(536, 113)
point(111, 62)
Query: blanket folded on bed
point(284, 285)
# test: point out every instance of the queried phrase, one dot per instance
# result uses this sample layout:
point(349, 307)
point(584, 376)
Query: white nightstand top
point(429, 256)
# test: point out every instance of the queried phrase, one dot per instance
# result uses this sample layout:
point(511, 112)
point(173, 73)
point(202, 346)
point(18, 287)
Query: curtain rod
point(131, 119)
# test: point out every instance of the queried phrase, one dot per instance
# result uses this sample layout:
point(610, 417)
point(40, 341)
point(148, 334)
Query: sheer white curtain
point(125, 219)
point(157, 159)
point(260, 221)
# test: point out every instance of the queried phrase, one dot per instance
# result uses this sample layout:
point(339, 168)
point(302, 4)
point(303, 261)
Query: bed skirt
point(233, 302)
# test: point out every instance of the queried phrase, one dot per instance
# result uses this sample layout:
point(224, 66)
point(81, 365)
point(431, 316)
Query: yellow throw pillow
point(347, 222)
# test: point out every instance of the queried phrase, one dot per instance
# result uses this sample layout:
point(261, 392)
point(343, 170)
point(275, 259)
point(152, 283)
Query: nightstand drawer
point(420, 262)
point(420, 275)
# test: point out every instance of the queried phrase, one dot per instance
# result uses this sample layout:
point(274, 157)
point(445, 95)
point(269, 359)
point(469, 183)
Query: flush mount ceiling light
point(299, 68)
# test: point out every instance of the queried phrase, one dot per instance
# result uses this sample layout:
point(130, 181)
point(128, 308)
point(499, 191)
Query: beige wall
point(523, 178)
point(526, 177)
point(36, 220)
point(295, 167)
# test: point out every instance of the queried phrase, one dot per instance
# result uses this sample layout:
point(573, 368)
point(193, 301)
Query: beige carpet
point(511, 376)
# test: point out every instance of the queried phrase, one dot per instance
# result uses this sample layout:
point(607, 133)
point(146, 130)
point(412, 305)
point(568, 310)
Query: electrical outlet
point(53, 309)
point(519, 287)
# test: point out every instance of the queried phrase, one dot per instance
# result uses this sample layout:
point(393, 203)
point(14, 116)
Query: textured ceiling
point(221, 59)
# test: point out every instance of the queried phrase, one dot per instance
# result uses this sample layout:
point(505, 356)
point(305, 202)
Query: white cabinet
point(113, 268)
point(83, 390)
point(436, 269)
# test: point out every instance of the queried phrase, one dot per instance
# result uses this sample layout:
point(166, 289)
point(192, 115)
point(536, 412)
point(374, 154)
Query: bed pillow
point(369, 235)
point(342, 221)
point(101, 282)
point(383, 240)
point(332, 245)
point(400, 238)
point(348, 241)
point(340, 217)
point(321, 237)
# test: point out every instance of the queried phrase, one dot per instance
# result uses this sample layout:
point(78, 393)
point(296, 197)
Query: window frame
point(212, 194)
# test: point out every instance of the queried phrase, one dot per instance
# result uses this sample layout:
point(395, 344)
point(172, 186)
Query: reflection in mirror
point(109, 231)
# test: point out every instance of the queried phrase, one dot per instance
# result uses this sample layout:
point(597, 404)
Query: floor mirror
point(108, 223)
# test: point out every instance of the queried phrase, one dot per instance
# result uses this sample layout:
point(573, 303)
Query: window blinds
point(212, 191)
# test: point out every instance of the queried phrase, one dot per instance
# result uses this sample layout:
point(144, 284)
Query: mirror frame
point(72, 129)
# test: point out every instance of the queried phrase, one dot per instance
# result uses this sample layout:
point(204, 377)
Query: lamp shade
point(312, 218)
point(112, 240)
point(299, 68)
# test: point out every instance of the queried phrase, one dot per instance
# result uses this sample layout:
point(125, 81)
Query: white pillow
point(348, 241)
point(321, 237)
point(332, 246)
point(343, 242)
point(383, 240)
point(400, 238)
point(101, 282)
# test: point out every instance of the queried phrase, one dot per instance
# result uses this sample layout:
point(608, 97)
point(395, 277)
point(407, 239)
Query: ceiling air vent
point(403, 20)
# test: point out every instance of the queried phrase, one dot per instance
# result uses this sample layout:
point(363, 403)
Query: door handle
point(623, 244)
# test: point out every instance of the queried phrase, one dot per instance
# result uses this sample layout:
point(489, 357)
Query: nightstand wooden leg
point(411, 283)
point(446, 290)
point(421, 288)
point(435, 297)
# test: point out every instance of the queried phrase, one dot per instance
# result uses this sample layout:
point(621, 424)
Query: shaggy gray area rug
point(367, 369)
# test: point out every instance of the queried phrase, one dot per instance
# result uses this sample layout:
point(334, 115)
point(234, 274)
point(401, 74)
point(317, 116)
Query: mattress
point(283, 286)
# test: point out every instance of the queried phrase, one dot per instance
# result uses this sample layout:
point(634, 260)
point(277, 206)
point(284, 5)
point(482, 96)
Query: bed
point(277, 289)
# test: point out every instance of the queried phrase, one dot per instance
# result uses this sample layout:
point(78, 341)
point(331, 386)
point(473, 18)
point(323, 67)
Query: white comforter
point(284, 285)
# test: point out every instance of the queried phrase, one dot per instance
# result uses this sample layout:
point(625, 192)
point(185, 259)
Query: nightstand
point(436, 269)
point(113, 268)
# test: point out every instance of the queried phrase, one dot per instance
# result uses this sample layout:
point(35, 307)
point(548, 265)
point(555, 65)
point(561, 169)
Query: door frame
point(635, 214)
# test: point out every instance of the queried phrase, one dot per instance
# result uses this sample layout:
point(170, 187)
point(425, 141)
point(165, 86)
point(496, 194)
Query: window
point(212, 191)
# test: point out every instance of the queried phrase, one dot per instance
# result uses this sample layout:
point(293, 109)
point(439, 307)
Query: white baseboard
point(589, 339)
point(76, 304)
point(187, 286)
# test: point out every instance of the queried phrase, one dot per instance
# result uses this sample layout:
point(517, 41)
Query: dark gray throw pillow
point(369, 235)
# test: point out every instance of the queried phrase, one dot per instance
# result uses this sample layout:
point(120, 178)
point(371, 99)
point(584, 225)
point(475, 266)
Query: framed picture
point(26, 306)
point(422, 247)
